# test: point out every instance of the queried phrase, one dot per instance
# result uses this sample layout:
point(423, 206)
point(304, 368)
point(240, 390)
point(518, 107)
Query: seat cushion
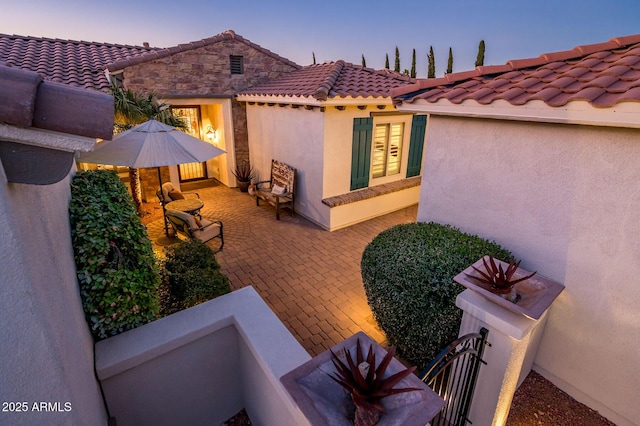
point(208, 232)
point(166, 188)
point(188, 218)
point(174, 194)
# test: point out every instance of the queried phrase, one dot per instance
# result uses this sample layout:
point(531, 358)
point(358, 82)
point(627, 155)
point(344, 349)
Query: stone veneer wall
point(206, 71)
point(240, 131)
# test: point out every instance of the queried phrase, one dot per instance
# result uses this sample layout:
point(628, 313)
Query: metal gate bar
point(453, 375)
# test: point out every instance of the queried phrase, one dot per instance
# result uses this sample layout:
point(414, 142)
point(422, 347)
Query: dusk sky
point(339, 29)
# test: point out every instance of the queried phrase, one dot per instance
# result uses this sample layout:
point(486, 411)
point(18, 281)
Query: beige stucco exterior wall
point(46, 351)
point(565, 199)
point(318, 144)
point(338, 140)
point(293, 136)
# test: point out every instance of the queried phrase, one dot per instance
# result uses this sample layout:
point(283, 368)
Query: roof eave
point(279, 99)
point(310, 100)
point(624, 114)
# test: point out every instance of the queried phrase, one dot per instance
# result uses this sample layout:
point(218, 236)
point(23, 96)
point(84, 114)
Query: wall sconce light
point(211, 133)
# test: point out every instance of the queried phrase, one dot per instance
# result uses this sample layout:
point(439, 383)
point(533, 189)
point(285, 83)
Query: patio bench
point(279, 189)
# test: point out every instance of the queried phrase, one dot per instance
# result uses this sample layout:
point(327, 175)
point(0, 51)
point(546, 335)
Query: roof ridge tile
point(61, 40)
point(526, 63)
point(626, 40)
point(587, 49)
point(561, 56)
point(322, 92)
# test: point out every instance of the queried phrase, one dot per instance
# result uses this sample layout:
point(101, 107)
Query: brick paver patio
point(308, 276)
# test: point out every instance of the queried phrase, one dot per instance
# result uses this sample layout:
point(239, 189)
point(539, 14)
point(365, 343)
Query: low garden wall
point(202, 365)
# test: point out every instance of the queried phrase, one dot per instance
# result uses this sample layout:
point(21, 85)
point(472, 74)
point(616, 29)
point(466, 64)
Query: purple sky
point(339, 29)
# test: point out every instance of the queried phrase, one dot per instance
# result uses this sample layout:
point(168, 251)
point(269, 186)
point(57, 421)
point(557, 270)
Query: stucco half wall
point(565, 199)
point(352, 213)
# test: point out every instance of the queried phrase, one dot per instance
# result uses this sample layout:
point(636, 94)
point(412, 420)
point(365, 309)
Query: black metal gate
point(453, 374)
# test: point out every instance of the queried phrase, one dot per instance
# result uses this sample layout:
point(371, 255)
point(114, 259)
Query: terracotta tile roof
point(601, 74)
point(163, 53)
point(332, 80)
point(76, 63)
point(83, 63)
point(28, 101)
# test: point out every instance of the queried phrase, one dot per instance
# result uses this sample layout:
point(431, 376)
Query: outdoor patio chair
point(190, 226)
point(168, 193)
point(279, 189)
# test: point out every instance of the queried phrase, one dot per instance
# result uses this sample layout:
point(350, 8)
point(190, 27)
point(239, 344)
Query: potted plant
point(244, 172)
point(509, 286)
point(334, 389)
point(365, 384)
point(499, 280)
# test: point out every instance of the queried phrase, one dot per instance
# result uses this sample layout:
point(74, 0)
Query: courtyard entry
point(192, 118)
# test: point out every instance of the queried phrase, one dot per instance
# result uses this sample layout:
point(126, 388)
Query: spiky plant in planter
point(244, 172)
point(497, 279)
point(366, 384)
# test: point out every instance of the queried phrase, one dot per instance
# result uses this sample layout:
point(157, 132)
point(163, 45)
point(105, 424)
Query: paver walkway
point(308, 276)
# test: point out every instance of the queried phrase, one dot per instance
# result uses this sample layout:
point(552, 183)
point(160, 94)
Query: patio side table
point(191, 206)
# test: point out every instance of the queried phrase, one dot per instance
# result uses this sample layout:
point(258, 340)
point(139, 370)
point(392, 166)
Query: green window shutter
point(361, 152)
point(416, 145)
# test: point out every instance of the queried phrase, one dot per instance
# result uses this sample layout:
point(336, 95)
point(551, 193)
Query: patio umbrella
point(151, 144)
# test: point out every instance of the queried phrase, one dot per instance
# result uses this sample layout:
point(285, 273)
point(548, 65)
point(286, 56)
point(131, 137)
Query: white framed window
point(386, 159)
point(386, 148)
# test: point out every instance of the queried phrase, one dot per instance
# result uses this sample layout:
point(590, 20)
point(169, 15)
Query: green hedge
point(408, 273)
point(116, 267)
point(192, 276)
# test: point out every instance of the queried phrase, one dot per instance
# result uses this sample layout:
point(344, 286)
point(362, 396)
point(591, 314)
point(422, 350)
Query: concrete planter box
point(325, 402)
point(536, 294)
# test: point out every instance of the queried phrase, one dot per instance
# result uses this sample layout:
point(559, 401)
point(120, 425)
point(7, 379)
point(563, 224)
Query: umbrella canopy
point(151, 144)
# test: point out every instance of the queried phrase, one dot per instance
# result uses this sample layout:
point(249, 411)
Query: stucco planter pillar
point(514, 340)
point(515, 331)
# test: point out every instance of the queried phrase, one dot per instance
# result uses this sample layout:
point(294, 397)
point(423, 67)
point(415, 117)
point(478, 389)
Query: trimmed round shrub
point(192, 276)
point(116, 267)
point(408, 273)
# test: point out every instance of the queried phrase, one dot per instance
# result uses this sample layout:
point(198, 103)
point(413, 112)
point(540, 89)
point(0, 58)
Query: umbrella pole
point(164, 210)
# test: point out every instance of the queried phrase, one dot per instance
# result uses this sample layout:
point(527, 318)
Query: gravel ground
point(538, 402)
point(240, 419)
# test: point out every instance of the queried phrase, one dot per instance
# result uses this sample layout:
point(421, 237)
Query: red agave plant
point(364, 381)
point(496, 277)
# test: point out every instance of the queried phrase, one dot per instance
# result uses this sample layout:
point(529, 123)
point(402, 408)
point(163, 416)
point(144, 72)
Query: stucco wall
point(202, 365)
point(352, 213)
point(338, 140)
point(293, 136)
point(565, 199)
point(319, 145)
point(46, 351)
